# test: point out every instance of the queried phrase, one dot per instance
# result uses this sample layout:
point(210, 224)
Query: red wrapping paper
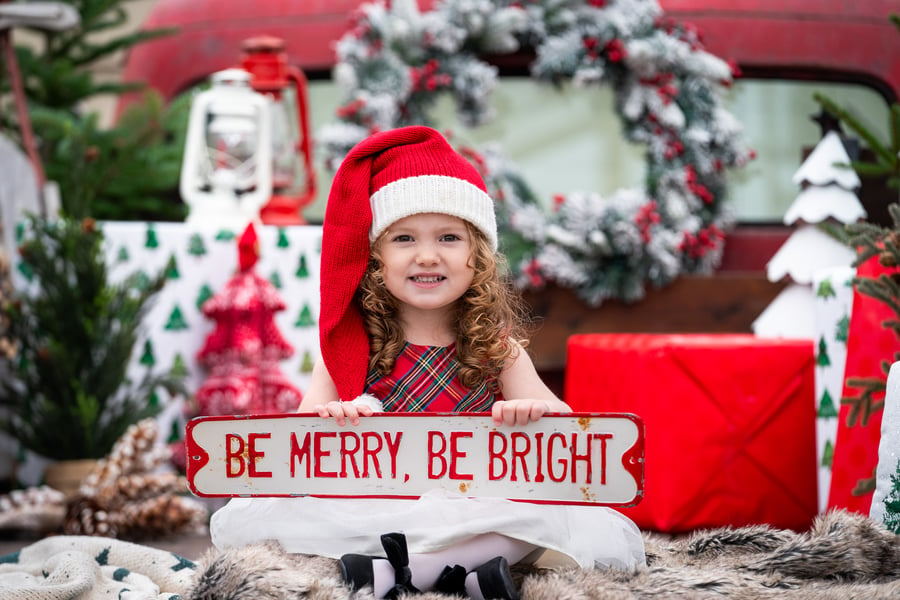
point(729, 423)
point(856, 446)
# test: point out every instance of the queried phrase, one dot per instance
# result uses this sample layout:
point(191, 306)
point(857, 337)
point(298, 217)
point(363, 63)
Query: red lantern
point(293, 176)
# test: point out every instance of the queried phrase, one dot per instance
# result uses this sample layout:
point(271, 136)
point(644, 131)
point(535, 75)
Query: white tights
point(426, 567)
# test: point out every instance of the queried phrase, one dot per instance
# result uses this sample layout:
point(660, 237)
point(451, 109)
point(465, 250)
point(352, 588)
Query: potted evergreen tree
point(66, 393)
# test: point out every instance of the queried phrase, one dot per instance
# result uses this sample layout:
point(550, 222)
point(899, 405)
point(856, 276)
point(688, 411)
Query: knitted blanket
point(93, 568)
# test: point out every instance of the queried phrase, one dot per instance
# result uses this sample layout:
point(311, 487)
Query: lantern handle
point(296, 75)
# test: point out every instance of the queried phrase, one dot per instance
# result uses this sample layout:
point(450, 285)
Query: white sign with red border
point(577, 458)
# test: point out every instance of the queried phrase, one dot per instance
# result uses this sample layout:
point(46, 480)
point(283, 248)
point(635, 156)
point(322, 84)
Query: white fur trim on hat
point(433, 194)
point(370, 401)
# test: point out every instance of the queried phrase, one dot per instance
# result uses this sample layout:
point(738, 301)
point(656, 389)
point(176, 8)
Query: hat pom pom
point(370, 401)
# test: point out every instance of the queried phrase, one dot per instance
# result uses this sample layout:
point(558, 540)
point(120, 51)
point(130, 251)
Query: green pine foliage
point(126, 172)
point(57, 74)
point(884, 243)
point(66, 394)
point(886, 161)
point(872, 240)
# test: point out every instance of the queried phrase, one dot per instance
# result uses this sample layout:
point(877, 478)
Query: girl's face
point(426, 260)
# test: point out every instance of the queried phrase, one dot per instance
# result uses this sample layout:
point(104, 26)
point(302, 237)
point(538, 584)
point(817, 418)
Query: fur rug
point(844, 556)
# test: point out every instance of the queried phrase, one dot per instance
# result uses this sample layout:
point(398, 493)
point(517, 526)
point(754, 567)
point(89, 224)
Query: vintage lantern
point(226, 174)
point(293, 176)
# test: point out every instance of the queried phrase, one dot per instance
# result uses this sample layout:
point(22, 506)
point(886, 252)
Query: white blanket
point(93, 568)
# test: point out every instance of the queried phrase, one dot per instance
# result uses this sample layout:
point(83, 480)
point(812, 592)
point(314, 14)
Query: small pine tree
point(66, 392)
point(884, 243)
point(873, 240)
point(886, 161)
point(101, 172)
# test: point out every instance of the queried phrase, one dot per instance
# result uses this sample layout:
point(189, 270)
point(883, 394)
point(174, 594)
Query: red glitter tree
point(243, 351)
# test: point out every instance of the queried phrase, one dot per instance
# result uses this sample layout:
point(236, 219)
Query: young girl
point(414, 317)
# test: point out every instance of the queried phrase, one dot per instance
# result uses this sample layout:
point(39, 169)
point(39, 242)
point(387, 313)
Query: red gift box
point(729, 423)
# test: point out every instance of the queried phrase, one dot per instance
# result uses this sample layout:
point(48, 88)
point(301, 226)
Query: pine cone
point(38, 509)
point(85, 516)
point(135, 452)
point(141, 486)
point(160, 516)
point(121, 498)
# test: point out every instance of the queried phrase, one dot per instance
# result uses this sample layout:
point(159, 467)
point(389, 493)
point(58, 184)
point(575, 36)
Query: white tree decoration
point(395, 62)
point(828, 194)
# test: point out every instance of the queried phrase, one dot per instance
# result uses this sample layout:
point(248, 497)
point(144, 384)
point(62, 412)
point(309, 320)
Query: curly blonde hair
point(490, 317)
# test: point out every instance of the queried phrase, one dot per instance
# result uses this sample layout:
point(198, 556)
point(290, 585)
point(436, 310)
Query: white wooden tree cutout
point(828, 193)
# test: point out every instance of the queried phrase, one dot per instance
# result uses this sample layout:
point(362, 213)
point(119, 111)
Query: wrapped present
point(729, 419)
point(833, 289)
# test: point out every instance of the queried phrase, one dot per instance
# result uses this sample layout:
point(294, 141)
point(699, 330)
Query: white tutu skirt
point(584, 535)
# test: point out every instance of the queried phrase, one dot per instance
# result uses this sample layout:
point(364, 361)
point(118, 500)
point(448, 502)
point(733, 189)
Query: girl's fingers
point(342, 411)
point(497, 412)
point(518, 412)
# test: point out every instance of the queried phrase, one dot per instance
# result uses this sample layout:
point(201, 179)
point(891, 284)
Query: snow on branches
point(395, 62)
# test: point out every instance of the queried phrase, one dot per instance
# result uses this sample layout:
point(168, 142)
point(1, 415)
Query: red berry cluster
point(696, 246)
point(699, 190)
point(427, 77)
point(647, 216)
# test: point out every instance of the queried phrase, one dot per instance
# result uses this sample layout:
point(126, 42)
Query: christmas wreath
point(395, 61)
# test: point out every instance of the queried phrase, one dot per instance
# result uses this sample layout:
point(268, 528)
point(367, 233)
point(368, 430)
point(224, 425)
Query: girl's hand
point(342, 411)
point(520, 412)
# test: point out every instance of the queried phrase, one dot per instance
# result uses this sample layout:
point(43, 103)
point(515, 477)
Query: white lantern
point(226, 173)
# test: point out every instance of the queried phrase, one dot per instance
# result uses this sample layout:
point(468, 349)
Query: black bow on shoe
point(452, 581)
point(394, 545)
point(494, 580)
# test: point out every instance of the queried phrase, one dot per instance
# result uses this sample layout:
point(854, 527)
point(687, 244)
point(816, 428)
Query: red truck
point(794, 40)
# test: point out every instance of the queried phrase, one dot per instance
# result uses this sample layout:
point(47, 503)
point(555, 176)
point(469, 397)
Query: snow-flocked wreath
point(395, 61)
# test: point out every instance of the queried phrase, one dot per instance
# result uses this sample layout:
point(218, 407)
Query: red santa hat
point(384, 178)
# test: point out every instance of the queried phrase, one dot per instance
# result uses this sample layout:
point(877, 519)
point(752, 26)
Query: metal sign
point(577, 458)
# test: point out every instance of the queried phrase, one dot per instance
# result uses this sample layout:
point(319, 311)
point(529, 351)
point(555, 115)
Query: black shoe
point(495, 580)
point(356, 569)
point(394, 545)
point(452, 581)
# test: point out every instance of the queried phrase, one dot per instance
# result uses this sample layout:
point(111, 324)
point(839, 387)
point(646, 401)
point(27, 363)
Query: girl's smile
point(426, 260)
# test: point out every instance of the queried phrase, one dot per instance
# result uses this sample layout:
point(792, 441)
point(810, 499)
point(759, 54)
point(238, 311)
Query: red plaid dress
point(425, 379)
